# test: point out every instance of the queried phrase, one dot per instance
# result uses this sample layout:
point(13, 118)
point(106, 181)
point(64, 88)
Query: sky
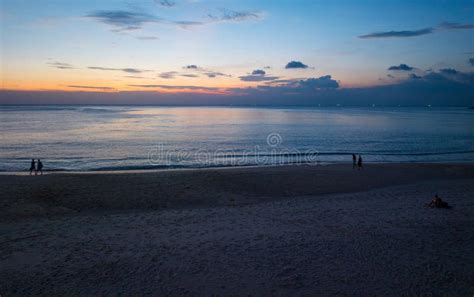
point(197, 52)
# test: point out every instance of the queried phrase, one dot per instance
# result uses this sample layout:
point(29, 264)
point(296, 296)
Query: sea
point(101, 138)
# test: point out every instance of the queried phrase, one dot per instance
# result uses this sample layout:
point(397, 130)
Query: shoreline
point(170, 169)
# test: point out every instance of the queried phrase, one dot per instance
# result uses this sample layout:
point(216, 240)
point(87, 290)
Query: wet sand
point(271, 231)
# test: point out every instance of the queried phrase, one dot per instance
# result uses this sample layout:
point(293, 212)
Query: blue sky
point(143, 45)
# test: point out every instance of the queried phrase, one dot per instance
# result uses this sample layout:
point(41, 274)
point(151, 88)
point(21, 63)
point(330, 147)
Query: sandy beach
point(258, 231)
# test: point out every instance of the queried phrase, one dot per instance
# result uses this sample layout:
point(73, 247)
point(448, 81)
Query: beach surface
point(259, 231)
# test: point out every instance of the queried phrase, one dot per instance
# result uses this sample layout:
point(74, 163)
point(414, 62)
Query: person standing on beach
point(354, 161)
point(359, 162)
point(33, 166)
point(40, 167)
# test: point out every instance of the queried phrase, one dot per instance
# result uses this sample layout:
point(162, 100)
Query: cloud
point(257, 78)
point(147, 38)
point(226, 15)
point(471, 61)
point(206, 72)
point(134, 76)
point(391, 34)
point(168, 87)
point(61, 65)
point(189, 75)
point(168, 75)
point(123, 20)
point(127, 70)
point(456, 26)
point(424, 31)
point(258, 75)
point(401, 67)
point(212, 74)
point(199, 70)
point(187, 24)
point(165, 3)
point(91, 87)
point(295, 64)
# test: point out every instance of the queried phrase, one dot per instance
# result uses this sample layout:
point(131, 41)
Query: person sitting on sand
point(40, 167)
point(438, 202)
point(33, 166)
point(359, 162)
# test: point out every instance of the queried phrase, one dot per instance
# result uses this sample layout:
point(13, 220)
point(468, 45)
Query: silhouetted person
point(40, 167)
point(33, 166)
point(359, 162)
point(354, 161)
point(438, 202)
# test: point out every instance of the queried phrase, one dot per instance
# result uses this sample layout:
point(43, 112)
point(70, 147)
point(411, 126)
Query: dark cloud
point(123, 20)
point(267, 67)
point(191, 67)
point(401, 67)
point(127, 70)
point(449, 74)
point(456, 26)
point(434, 88)
point(448, 71)
point(471, 61)
point(61, 65)
point(323, 82)
point(258, 72)
point(165, 3)
point(295, 64)
point(414, 76)
point(90, 87)
point(226, 15)
point(391, 34)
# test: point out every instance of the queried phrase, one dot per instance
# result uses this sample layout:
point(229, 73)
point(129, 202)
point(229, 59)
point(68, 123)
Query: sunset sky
point(249, 50)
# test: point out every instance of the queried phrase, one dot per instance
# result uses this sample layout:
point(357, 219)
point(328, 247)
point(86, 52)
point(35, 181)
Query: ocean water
point(137, 137)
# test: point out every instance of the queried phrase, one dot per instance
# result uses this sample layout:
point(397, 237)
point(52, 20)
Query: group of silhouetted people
point(357, 162)
point(36, 167)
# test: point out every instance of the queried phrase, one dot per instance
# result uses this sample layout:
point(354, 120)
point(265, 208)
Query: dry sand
point(273, 231)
